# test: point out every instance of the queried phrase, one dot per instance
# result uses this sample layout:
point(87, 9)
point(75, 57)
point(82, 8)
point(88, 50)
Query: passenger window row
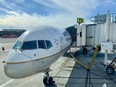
point(42, 44)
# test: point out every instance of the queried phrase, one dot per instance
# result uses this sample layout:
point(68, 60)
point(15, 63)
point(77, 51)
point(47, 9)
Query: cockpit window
point(29, 45)
point(18, 45)
point(42, 44)
point(49, 44)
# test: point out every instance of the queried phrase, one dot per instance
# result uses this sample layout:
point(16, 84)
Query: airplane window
point(49, 44)
point(42, 44)
point(65, 33)
point(29, 45)
point(17, 46)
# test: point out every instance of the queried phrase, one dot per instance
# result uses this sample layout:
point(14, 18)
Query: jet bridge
point(102, 30)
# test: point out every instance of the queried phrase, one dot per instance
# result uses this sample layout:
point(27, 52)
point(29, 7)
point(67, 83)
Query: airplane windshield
point(18, 45)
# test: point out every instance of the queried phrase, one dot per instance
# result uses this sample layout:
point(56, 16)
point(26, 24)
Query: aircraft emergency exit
point(35, 50)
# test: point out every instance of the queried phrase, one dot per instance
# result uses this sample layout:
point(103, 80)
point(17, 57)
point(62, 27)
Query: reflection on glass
point(18, 45)
point(29, 45)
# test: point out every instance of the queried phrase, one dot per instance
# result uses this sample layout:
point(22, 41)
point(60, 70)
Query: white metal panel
point(112, 32)
point(79, 39)
point(83, 34)
point(100, 34)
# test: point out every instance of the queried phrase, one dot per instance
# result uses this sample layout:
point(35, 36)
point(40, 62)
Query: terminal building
point(11, 33)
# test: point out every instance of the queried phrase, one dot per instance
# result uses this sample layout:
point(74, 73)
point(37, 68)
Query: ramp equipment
point(111, 67)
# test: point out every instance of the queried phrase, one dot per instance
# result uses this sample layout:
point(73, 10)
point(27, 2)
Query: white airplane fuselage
point(35, 50)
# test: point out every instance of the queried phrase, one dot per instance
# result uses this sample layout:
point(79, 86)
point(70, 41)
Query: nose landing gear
point(47, 80)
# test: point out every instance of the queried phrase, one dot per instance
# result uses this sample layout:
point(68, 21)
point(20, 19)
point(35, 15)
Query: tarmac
point(65, 71)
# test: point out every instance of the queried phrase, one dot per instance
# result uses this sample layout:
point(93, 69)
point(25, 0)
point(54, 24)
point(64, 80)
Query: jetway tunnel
point(102, 30)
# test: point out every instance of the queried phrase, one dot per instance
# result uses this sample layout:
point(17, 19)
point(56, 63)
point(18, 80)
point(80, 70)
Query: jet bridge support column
point(79, 36)
point(106, 57)
point(107, 27)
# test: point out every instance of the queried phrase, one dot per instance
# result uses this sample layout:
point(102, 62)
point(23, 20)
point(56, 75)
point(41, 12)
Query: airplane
point(35, 50)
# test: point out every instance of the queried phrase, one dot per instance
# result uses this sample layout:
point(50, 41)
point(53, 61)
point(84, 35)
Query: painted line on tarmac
point(8, 82)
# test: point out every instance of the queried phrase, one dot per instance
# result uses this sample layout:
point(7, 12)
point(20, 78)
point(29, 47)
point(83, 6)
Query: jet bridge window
point(29, 45)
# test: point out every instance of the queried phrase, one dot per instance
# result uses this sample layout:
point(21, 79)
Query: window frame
point(44, 43)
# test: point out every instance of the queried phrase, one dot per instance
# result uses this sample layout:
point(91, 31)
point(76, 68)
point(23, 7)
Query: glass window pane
point(29, 45)
point(41, 44)
point(18, 45)
point(49, 44)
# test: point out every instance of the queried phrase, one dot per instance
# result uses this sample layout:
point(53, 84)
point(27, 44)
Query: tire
point(110, 70)
point(84, 50)
point(51, 81)
point(45, 81)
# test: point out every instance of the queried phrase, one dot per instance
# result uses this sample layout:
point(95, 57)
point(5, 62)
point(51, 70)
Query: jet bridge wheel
point(84, 50)
point(110, 70)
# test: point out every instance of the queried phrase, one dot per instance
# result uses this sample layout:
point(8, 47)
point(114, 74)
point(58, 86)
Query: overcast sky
point(61, 13)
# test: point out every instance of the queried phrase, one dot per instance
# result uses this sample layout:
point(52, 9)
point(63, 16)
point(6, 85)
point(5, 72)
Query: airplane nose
point(18, 70)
